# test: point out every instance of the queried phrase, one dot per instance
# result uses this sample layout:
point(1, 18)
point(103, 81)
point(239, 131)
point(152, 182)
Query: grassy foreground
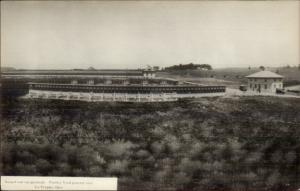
point(247, 143)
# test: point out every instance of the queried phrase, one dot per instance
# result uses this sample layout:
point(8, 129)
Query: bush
point(206, 144)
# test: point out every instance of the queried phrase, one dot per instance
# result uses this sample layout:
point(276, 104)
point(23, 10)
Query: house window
point(265, 80)
point(266, 86)
point(250, 85)
point(255, 85)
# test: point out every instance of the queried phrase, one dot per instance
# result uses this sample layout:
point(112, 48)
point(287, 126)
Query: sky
point(134, 34)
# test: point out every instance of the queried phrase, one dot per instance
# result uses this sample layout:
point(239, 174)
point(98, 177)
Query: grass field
point(297, 87)
point(231, 77)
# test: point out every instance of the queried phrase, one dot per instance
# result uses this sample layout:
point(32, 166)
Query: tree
point(262, 68)
point(190, 66)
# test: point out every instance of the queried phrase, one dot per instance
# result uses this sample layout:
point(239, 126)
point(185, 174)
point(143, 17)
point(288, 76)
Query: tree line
point(190, 66)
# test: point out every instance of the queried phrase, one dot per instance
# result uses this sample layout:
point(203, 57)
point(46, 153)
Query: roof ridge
point(264, 74)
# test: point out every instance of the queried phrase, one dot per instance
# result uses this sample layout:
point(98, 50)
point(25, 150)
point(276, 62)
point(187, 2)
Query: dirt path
point(235, 92)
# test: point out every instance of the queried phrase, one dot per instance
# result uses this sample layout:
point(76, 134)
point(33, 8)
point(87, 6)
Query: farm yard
point(158, 95)
point(237, 141)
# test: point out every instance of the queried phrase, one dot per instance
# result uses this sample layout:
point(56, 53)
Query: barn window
point(266, 86)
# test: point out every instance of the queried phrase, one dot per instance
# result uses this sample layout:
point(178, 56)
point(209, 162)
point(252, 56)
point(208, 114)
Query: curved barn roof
point(264, 74)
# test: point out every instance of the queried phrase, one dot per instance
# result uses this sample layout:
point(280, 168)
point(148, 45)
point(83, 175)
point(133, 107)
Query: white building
point(149, 73)
point(265, 81)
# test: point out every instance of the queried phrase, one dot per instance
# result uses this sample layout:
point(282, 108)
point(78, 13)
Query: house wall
point(265, 84)
point(149, 74)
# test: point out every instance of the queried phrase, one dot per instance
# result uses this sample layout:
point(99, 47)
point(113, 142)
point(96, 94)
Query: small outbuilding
point(149, 73)
point(265, 81)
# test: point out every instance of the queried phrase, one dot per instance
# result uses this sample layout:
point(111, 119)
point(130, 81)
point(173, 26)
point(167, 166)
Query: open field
point(231, 77)
point(204, 81)
point(229, 143)
point(297, 87)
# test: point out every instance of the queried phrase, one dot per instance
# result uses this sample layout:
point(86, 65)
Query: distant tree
point(4, 69)
point(205, 66)
point(262, 68)
point(155, 68)
point(190, 66)
point(249, 68)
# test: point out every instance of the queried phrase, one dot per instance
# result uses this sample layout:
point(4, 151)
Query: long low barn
point(133, 88)
point(102, 85)
point(78, 72)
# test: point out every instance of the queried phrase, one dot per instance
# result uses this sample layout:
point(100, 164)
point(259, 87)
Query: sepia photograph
point(150, 95)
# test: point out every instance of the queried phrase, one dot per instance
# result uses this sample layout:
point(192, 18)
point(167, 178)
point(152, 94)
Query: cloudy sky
point(132, 34)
